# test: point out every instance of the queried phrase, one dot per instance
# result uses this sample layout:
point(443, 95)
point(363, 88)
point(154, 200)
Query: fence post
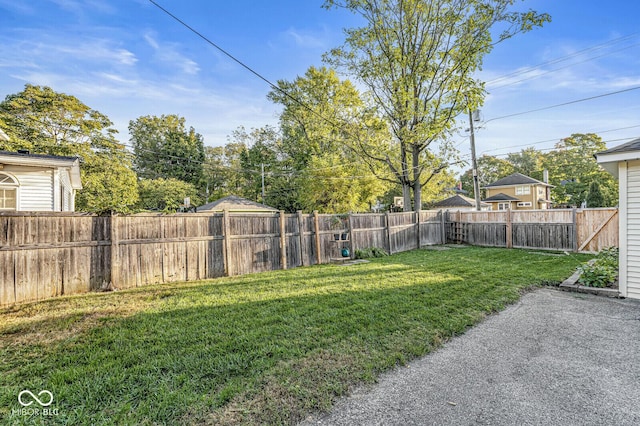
point(509, 230)
point(387, 225)
point(574, 243)
point(350, 237)
point(418, 239)
point(226, 231)
point(283, 240)
point(301, 239)
point(443, 227)
point(316, 228)
point(114, 252)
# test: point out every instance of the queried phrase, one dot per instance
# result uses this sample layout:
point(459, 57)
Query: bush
point(601, 271)
point(370, 252)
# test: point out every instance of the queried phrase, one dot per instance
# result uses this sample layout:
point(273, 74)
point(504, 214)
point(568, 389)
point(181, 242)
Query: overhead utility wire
point(563, 104)
point(561, 59)
point(275, 87)
point(500, 86)
point(558, 139)
point(245, 66)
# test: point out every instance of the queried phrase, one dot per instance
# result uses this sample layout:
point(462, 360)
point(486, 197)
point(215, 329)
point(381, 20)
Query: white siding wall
point(66, 190)
point(36, 187)
point(632, 255)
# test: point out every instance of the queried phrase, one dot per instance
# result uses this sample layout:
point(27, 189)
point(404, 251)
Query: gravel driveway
point(554, 358)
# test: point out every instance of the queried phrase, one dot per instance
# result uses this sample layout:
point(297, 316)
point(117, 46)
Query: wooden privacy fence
point(573, 230)
point(43, 255)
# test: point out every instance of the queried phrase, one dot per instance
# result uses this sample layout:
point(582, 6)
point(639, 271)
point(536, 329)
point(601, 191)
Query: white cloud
point(306, 40)
point(150, 38)
point(18, 6)
point(169, 54)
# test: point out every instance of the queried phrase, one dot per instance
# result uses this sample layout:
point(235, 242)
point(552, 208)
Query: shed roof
point(458, 201)
point(634, 145)
point(516, 179)
point(626, 152)
point(235, 203)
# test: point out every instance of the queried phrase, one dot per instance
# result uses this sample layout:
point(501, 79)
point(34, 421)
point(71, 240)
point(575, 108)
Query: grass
point(259, 349)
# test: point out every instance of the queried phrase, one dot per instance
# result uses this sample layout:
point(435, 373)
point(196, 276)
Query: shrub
point(601, 271)
point(370, 252)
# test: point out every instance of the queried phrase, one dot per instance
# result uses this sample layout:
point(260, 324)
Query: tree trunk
point(406, 195)
point(405, 180)
point(417, 186)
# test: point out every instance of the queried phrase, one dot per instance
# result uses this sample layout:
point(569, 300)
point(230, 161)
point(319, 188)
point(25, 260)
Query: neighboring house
point(33, 182)
point(460, 202)
point(623, 162)
point(235, 204)
point(518, 192)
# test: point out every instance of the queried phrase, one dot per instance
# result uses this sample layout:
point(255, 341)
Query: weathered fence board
point(44, 255)
point(541, 229)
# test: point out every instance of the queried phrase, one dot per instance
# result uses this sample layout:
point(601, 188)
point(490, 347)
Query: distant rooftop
point(235, 203)
point(500, 197)
point(515, 179)
point(458, 201)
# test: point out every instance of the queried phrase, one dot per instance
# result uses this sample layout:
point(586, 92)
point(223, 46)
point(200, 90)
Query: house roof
point(458, 201)
point(626, 152)
point(634, 145)
point(499, 198)
point(41, 160)
point(516, 179)
point(236, 204)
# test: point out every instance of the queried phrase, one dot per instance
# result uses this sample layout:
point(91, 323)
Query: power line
point(557, 139)
point(513, 83)
point(563, 58)
point(248, 68)
point(564, 104)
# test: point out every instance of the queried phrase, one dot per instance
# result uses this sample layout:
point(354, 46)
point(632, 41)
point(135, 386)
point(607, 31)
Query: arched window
point(8, 192)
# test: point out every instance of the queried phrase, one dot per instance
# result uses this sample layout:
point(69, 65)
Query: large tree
point(44, 121)
point(418, 59)
point(167, 195)
point(572, 168)
point(321, 121)
point(490, 169)
point(165, 148)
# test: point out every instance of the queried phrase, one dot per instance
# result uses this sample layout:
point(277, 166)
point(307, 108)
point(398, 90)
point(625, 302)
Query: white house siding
point(66, 191)
point(632, 211)
point(35, 190)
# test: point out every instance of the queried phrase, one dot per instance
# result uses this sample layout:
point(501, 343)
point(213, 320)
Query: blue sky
point(126, 58)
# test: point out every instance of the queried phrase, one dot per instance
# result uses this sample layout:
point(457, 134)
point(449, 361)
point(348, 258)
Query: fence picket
point(43, 255)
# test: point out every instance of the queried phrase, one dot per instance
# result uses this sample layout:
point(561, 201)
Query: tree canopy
point(417, 58)
point(164, 148)
point(573, 171)
point(43, 121)
point(322, 119)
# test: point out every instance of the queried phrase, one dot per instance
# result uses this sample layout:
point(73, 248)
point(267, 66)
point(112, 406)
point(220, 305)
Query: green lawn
point(258, 349)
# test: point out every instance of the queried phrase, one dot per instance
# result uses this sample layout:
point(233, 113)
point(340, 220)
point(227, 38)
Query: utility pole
point(262, 171)
point(474, 163)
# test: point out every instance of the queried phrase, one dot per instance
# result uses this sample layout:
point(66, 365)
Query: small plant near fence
point(370, 252)
point(601, 271)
